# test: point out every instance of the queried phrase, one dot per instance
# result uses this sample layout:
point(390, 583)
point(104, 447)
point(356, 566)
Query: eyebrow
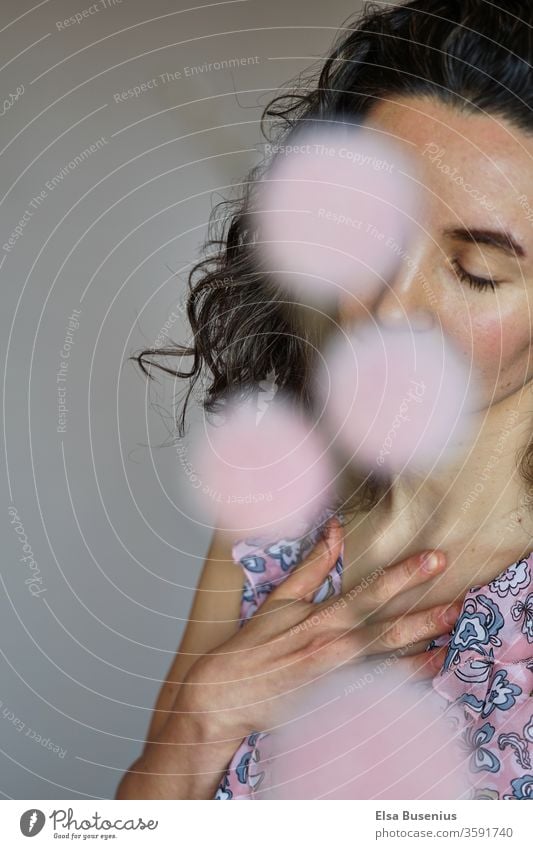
point(494, 238)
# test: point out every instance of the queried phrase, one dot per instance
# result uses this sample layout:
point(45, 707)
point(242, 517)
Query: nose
point(404, 300)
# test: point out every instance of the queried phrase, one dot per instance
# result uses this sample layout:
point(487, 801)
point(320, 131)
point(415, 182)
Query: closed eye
point(473, 280)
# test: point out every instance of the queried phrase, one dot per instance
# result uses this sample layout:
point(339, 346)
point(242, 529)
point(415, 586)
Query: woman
point(453, 80)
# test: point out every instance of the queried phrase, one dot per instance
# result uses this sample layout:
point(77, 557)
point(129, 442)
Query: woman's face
point(477, 190)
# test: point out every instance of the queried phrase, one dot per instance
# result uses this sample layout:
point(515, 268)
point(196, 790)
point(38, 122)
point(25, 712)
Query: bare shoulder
point(213, 619)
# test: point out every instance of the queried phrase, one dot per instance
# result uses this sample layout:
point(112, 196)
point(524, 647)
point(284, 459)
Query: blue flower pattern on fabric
point(502, 694)
point(254, 564)
point(512, 580)
point(286, 551)
point(475, 629)
point(481, 758)
point(518, 745)
point(522, 788)
point(524, 610)
point(223, 791)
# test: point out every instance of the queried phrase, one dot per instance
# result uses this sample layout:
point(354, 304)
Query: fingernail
point(450, 615)
point(430, 562)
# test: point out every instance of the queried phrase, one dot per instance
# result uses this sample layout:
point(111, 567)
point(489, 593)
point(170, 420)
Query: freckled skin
point(491, 329)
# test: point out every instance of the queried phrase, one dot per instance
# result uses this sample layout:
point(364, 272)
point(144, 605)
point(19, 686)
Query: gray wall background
point(103, 515)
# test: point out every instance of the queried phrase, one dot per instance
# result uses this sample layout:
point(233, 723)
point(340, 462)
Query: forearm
point(187, 761)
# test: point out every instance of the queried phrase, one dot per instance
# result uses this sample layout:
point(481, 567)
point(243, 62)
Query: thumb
point(307, 576)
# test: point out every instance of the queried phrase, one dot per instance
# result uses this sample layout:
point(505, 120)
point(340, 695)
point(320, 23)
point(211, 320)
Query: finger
point(393, 580)
point(413, 648)
point(394, 634)
point(305, 579)
point(424, 664)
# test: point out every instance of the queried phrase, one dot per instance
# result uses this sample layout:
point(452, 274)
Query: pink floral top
point(487, 674)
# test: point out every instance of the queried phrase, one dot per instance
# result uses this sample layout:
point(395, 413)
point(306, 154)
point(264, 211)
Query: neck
point(477, 510)
point(479, 494)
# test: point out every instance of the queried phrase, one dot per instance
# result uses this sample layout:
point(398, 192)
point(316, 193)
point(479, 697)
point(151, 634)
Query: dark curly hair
point(472, 54)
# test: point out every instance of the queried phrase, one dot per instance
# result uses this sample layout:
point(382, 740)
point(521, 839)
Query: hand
point(246, 683)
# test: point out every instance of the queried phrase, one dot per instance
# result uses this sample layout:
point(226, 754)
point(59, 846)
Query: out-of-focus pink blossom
point(263, 467)
point(365, 733)
point(337, 208)
point(396, 399)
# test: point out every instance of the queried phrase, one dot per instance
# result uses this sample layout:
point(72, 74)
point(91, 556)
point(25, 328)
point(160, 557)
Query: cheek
point(497, 346)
